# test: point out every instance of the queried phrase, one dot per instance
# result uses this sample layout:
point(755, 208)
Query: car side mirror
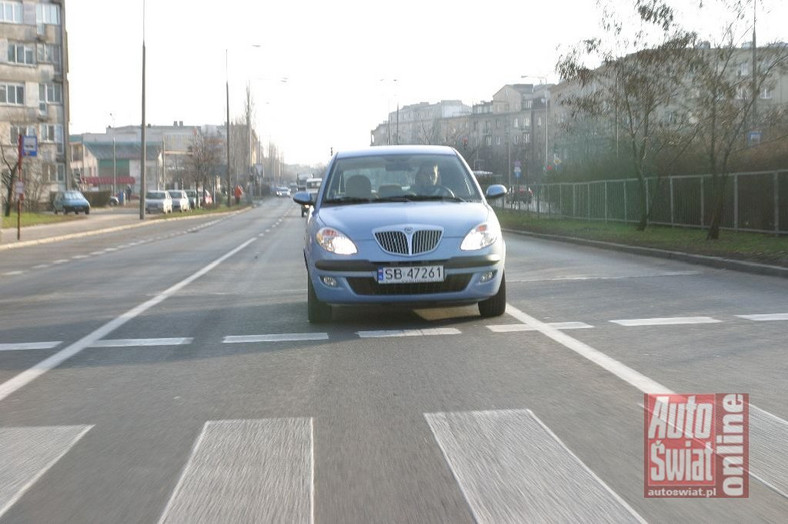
point(304, 198)
point(495, 191)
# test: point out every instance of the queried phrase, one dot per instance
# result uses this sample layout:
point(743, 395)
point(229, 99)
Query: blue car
point(406, 226)
point(72, 200)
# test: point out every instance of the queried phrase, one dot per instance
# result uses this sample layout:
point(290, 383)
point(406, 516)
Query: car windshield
point(388, 178)
point(73, 194)
point(155, 195)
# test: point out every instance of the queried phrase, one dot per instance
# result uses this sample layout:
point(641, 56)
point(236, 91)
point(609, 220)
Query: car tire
point(495, 306)
point(318, 312)
point(87, 211)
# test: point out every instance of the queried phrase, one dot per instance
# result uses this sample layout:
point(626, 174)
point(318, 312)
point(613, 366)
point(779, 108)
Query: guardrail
point(756, 202)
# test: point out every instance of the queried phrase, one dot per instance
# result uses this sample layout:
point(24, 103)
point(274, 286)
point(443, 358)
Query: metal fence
point(756, 202)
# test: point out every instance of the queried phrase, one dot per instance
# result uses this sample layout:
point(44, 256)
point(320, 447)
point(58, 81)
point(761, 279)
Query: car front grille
point(408, 243)
point(370, 286)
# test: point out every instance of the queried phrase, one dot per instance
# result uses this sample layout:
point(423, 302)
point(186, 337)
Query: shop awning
point(108, 180)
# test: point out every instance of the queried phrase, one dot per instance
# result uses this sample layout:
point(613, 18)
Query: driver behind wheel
point(426, 181)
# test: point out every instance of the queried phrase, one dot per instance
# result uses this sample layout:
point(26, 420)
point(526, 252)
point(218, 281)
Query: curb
point(49, 240)
point(704, 260)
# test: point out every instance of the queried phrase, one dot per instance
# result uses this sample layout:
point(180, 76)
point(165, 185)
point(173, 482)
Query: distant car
point(193, 202)
point(312, 186)
point(158, 202)
point(282, 191)
point(521, 194)
point(376, 235)
point(180, 201)
point(72, 200)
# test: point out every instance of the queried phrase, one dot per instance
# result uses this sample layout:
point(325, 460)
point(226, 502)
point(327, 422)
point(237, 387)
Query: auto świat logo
point(696, 446)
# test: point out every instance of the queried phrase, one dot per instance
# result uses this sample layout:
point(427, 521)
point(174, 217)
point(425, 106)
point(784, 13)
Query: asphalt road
point(167, 373)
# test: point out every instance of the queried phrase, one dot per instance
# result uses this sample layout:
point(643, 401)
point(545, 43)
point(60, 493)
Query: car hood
point(359, 220)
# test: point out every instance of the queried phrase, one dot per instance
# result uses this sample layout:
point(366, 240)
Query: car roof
point(398, 150)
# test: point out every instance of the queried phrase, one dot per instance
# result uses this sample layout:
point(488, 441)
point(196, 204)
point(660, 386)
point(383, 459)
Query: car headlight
point(480, 237)
point(335, 241)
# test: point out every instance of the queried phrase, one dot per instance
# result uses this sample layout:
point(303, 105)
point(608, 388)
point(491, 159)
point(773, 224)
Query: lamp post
point(142, 134)
point(227, 94)
point(546, 113)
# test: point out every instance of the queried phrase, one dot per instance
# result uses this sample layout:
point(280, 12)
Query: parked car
point(72, 200)
point(158, 201)
point(378, 235)
point(194, 203)
point(180, 200)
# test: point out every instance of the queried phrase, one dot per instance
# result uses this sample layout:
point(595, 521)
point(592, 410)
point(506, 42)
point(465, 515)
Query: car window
point(398, 177)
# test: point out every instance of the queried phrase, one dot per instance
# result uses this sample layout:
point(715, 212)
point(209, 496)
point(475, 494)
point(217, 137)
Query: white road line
point(408, 333)
point(513, 328)
point(771, 468)
point(22, 379)
point(284, 337)
point(41, 266)
point(247, 471)
point(668, 321)
point(60, 261)
point(27, 453)
point(13, 273)
point(24, 346)
point(765, 318)
point(512, 468)
point(613, 277)
point(140, 342)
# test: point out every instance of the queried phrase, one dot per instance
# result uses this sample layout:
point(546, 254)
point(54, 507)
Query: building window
point(20, 129)
point(489, 140)
point(766, 93)
point(527, 138)
point(49, 54)
point(528, 104)
point(21, 54)
point(516, 123)
point(48, 14)
point(52, 133)
point(539, 121)
point(516, 139)
point(50, 93)
point(11, 12)
point(12, 94)
point(744, 69)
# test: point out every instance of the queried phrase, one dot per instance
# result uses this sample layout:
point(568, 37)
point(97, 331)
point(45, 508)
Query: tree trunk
point(717, 209)
point(644, 207)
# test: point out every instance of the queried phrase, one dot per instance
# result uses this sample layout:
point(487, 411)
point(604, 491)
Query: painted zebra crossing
point(509, 466)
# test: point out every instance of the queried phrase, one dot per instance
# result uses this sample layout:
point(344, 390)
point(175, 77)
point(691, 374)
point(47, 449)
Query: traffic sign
point(29, 145)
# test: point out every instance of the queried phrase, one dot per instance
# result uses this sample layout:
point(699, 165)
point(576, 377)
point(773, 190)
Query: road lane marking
point(24, 346)
point(513, 328)
point(13, 273)
point(247, 471)
point(765, 318)
point(768, 435)
point(22, 379)
point(570, 278)
point(141, 342)
point(387, 333)
point(772, 469)
point(667, 321)
point(27, 453)
point(283, 337)
point(513, 468)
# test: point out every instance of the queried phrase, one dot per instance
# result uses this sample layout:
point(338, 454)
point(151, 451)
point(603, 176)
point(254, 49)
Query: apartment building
point(34, 92)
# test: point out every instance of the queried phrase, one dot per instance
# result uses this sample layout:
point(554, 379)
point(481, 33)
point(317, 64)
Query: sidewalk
point(98, 221)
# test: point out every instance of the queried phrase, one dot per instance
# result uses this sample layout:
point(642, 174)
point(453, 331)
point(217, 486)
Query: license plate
point(408, 275)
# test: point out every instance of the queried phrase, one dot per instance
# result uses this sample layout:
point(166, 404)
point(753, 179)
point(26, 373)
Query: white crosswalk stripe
point(263, 470)
point(27, 453)
point(512, 468)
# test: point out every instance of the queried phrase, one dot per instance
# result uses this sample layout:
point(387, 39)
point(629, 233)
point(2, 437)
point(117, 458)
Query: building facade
point(34, 93)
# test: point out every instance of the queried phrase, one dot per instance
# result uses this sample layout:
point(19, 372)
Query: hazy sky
point(347, 63)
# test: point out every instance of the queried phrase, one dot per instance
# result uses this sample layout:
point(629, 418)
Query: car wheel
point(87, 211)
point(495, 306)
point(317, 311)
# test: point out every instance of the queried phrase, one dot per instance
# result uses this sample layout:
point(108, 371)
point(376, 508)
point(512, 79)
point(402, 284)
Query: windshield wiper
point(437, 198)
point(346, 200)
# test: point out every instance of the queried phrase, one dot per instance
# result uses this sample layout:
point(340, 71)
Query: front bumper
point(468, 279)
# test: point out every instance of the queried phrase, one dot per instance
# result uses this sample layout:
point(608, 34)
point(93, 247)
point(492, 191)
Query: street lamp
point(546, 113)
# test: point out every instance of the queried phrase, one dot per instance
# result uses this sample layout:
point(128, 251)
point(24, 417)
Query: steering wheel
point(443, 191)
